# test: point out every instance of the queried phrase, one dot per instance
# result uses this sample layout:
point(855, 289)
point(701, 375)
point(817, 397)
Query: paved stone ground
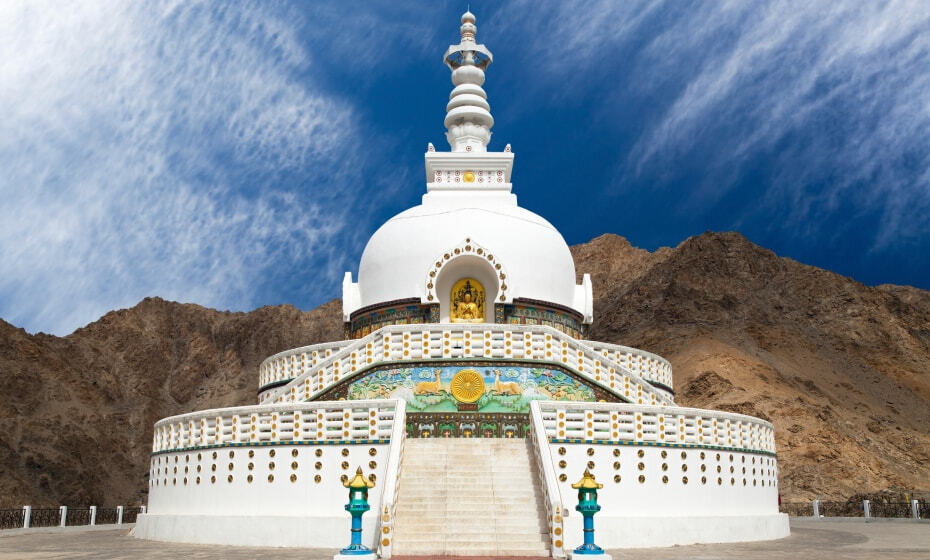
point(809, 538)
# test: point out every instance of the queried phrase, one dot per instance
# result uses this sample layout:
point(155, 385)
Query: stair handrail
point(391, 476)
point(554, 499)
point(664, 375)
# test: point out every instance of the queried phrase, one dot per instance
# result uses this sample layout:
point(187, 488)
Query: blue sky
point(236, 155)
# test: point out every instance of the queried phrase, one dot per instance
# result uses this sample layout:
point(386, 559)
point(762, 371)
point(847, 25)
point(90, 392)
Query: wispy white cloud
point(833, 97)
point(126, 132)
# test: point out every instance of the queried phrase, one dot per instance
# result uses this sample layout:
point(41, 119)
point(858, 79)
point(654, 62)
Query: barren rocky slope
point(842, 369)
point(76, 412)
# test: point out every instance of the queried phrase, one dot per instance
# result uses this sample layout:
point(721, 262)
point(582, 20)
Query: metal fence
point(11, 518)
point(797, 509)
point(78, 516)
point(890, 509)
point(15, 518)
point(129, 514)
point(841, 509)
point(106, 516)
point(45, 517)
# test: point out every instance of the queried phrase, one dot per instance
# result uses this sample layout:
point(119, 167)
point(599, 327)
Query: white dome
point(398, 258)
point(530, 252)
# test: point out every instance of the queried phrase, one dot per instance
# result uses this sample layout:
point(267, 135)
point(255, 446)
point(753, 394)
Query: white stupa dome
point(398, 258)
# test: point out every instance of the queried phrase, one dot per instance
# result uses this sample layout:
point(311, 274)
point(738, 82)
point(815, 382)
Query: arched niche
point(467, 266)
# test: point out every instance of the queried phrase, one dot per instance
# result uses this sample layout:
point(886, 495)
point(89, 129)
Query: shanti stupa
point(466, 393)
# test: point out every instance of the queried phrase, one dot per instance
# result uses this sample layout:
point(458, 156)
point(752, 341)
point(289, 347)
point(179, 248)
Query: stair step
point(469, 497)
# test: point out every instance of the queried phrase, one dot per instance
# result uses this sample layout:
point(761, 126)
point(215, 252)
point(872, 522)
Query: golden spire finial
point(358, 481)
point(587, 481)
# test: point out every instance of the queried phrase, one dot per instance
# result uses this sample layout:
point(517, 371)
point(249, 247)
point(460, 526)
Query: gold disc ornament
point(467, 386)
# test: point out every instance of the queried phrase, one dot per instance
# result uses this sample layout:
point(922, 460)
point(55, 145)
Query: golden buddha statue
point(466, 302)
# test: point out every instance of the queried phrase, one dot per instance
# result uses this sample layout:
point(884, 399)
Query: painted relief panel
point(485, 389)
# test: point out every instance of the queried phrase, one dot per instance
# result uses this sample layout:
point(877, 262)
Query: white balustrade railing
point(655, 425)
point(554, 500)
point(391, 476)
point(399, 343)
point(646, 364)
point(280, 423)
point(287, 365)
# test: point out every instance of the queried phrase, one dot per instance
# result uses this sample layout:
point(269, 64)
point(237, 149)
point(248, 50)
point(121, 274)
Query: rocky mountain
point(842, 369)
point(77, 412)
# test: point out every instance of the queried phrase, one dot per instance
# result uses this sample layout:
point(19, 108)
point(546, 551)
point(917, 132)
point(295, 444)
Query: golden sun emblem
point(467, 386)
point(469, 177)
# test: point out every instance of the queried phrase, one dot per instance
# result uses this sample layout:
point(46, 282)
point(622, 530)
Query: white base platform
point(648, 532)
point(333, 532)
point(241, 530)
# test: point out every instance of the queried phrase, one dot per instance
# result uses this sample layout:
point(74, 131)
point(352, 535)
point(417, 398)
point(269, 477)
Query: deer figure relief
point(507, 387)
point(428, 387)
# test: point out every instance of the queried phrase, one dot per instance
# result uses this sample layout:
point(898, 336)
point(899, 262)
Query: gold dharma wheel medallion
point(469, 177)
point(467, 386)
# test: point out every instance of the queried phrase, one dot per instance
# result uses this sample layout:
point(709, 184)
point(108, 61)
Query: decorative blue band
point(275, 444)
point(662, 444)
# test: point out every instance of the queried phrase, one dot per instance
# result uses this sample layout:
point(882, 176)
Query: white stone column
point(119, 515)
point(93, 515)
point(816, 509)
point(915, 509)
point(866, 510)
point(27, 516)
point(64, 515)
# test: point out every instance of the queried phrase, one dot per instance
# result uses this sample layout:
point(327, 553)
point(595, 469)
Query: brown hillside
point(77, 412)
point(843, 370)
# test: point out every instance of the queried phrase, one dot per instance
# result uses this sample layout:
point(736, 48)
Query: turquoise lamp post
point(358, 504)
point(587, 505)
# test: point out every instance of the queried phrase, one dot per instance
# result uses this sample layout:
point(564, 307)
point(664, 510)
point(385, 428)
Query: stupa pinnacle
point(468, 115)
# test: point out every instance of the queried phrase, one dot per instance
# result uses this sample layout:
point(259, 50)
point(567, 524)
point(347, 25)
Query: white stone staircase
point(469, 497)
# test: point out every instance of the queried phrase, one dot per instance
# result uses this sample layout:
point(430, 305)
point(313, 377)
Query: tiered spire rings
point(468, 115)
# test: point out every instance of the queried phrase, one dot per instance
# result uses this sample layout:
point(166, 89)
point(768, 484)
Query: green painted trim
point(658, 385)
point(274, 385)
point(428, 361)
point(662, 444)
point(274, 444)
